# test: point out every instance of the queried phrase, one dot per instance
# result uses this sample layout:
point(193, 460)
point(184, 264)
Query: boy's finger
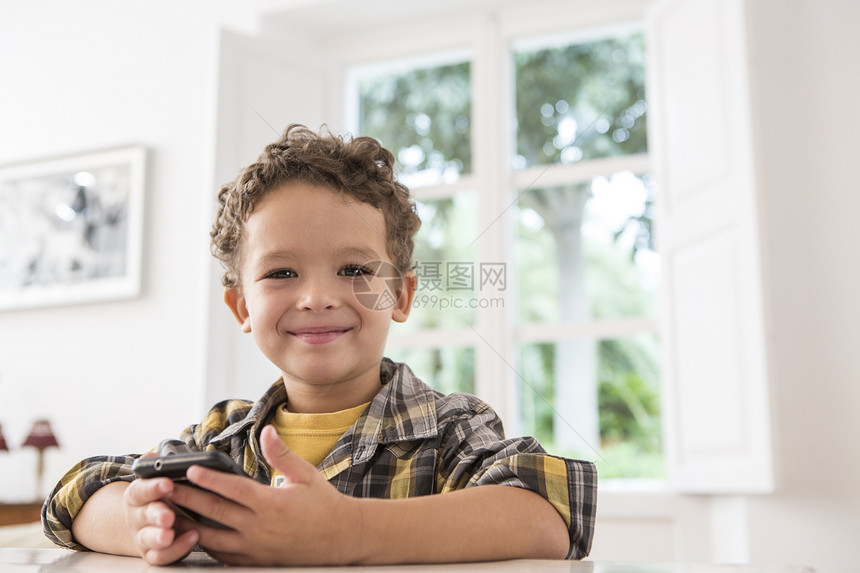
point(227, 486)
point(154, 538)
point(227, 500)
point(159, 515)
point(173, 552)
point(281, 458)
point(143, 491)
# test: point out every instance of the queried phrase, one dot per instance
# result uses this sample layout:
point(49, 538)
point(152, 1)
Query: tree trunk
point(576, 423)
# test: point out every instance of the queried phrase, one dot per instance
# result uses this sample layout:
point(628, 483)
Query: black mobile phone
point(175, 466)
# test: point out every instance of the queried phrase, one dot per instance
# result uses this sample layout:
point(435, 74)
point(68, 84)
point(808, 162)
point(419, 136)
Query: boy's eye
point(354, 271)
point(280, 274)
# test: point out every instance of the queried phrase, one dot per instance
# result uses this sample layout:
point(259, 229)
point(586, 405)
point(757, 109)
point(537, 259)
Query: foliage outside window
point(590, 245)
point(424, 116)
point(582, 251)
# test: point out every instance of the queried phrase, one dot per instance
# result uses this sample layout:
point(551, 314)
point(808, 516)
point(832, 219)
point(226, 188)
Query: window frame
point(489, 43)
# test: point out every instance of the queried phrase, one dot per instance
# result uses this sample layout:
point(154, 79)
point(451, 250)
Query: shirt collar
point(404, 409)
point(262, 410)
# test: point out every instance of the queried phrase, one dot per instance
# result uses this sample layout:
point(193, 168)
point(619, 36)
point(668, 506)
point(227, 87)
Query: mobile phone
point(175, 466)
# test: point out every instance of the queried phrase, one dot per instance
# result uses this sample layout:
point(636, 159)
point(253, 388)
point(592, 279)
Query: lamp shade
point(41, 436)
point(3, 446)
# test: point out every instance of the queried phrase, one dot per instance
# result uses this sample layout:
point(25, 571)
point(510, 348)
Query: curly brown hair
point(359, 167)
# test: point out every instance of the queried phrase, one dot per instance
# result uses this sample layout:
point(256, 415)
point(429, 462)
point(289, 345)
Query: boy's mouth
point(319, 334)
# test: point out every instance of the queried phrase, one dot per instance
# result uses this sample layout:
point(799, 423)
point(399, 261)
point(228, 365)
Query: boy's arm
point(90, 476)
point(485, 523)
point(90, 510)
point(308, 521)
point(100, 523)
point(75, 488)
point(128, 519)
point(475, 452)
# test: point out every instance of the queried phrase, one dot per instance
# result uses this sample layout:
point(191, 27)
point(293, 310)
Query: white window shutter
point(262, 88)
point(716, 407)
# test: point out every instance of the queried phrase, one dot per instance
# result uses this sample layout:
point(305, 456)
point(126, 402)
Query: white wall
point(120, 376)
point(806, 88)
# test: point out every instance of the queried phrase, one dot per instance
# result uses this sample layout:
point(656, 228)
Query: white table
point(51, 560)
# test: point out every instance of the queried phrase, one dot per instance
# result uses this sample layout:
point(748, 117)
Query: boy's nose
point(317, 295)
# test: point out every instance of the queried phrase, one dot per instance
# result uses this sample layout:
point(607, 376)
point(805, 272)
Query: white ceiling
point(333, 16)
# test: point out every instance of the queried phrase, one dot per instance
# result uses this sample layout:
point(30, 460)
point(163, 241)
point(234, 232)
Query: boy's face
point(305, 254)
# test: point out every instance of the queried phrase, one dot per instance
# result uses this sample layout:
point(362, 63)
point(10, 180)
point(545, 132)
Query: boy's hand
point(305, 521)
point(151, 522)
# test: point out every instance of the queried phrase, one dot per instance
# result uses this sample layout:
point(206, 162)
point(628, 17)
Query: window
point(584, 255)
point(715, 372)
point(572, 286)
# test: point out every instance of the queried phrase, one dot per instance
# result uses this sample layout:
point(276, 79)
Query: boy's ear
point(405, 297)
point(236, 301)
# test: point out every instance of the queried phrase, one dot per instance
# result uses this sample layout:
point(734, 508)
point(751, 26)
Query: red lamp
point(3, 446)
point(41, 437)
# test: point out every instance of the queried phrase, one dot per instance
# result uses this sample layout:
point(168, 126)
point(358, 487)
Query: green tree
point(582, 101)
point(423, 115)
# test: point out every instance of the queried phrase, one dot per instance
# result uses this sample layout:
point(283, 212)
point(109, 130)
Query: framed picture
point(71, 229)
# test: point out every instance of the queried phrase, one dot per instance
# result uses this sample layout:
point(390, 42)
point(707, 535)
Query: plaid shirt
point(410, 441)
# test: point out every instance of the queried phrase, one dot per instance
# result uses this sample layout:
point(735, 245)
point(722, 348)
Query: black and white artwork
point(71, 229)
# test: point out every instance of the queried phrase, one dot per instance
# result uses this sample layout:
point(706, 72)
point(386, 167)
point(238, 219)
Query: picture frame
point(71, 228)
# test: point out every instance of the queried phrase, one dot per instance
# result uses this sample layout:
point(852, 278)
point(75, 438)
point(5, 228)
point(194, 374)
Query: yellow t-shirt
point(313, 436)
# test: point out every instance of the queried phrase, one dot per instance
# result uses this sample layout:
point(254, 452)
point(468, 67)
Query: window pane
point(445, 266)
point(423, 116)
point(445, 369)
point(580, 101)
point(586, 251)
point(581, 397)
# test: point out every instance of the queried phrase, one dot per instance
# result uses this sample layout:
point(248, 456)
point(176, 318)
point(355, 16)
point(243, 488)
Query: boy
point(346, 448)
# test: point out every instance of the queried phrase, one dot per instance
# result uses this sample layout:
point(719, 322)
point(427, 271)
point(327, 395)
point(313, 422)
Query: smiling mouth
point(319, 335)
